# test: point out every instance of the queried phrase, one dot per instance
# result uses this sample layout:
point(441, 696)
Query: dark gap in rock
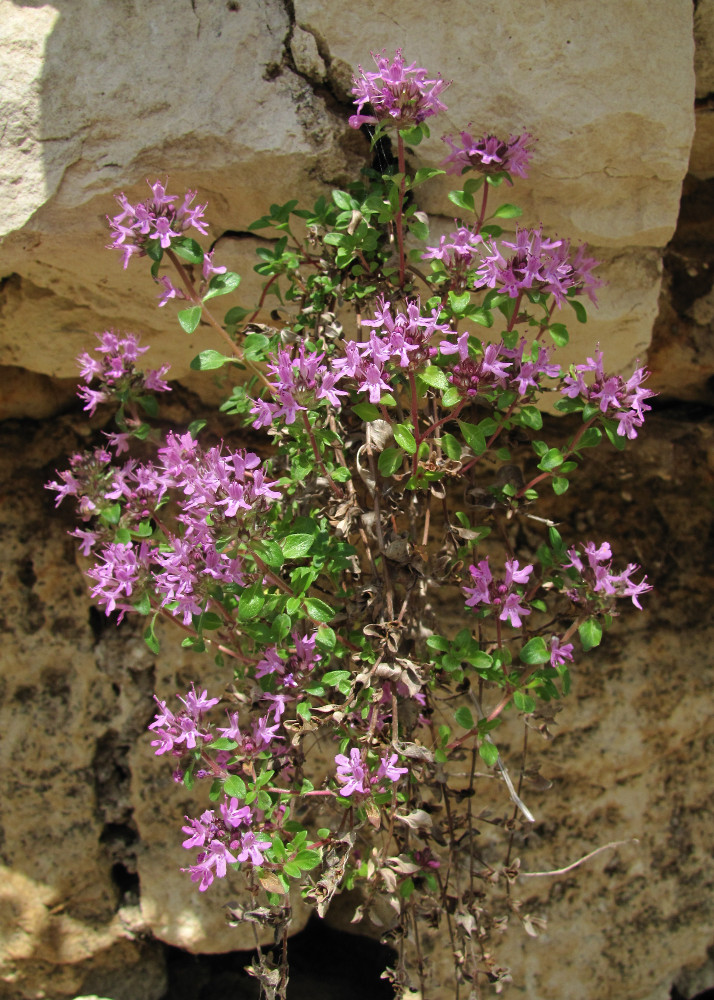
point(98, 623)
point(324, 963)
point(676, 995)
point(127, 883)
point(118, 833)
point(26, 573)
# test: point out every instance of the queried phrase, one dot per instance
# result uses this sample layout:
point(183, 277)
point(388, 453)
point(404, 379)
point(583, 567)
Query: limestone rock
point(95, 111)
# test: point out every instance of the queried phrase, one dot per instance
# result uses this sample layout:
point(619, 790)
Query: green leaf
point(451, 447)
point(404, 438)
point(591, 437)
point(451, 397)
point(530, 416)
point(389, 461)
point(236, 315)
point(296, 546)
point(507, 212)
point(590, 634)
point(222, 284)
point(535, 651)
point(326, 638)
point(234, 787)
point(308, 859)
point(251, 602)
point(334, 677)
point(209, 621)
point(560, 485)
point(292, 869)
point(425, 174)
point(462, 200)
point(208, 360)
point(190, 318)
point(253, 346)
point(148, 404)
point(458, 302)
point(318, 610)
point(341, 474)
point(488, 753)
point(222, 743)
point(473, 436)
point(523, 702)
point(579, 309)
point(270, 553)
point(344, 201)
point(551, 460)
point(434, 377)
point(150, 638)
point(464, 717)
point(559, 334)
point(367, 411)
point(143, 605)
point(187, 249)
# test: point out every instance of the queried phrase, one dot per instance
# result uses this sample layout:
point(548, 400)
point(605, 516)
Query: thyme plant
point(359, 575)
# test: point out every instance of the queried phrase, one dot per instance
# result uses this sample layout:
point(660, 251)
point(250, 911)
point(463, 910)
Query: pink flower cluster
point(537, 263)
point(219, 835)
point(497, 367)
point(488, 154)
point(500, 594)
point(297, 382)
point(180, 731)
point(116, 371)
point(594, 564)
point(353, 774)
point(404, 343)
point(396, 94)
point(458, 251)
point(158, 218)
point(615, 397)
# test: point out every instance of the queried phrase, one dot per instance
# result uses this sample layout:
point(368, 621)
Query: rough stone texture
point(89, 885)
point(229, 98)
point(91, 843)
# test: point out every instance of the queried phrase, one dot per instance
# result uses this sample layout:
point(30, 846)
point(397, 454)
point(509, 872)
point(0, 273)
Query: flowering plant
point(323, 568)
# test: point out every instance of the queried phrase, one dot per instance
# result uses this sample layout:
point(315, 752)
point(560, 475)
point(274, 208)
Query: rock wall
point(244, 100)
point(247, 102)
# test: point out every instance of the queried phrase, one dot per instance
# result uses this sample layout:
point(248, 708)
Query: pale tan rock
point(306, 55)
point(100, 113)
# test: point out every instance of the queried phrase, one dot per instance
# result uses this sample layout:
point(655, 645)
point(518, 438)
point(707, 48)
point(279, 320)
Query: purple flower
point(472, 376)
point(536, 263)
point(499, 594)
point(623, 401)
point(215, 858)
point(170, 291)
point(560, 652)
point(234, 814)
point(597, 576)
point(387, 769)
point(351, 773)
point(488, 154)
point(396, 94)
point(157, 218)
point(298, 383)
point(457, 252)
point(199, 830)
point(265, 734)
point(252, 848)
